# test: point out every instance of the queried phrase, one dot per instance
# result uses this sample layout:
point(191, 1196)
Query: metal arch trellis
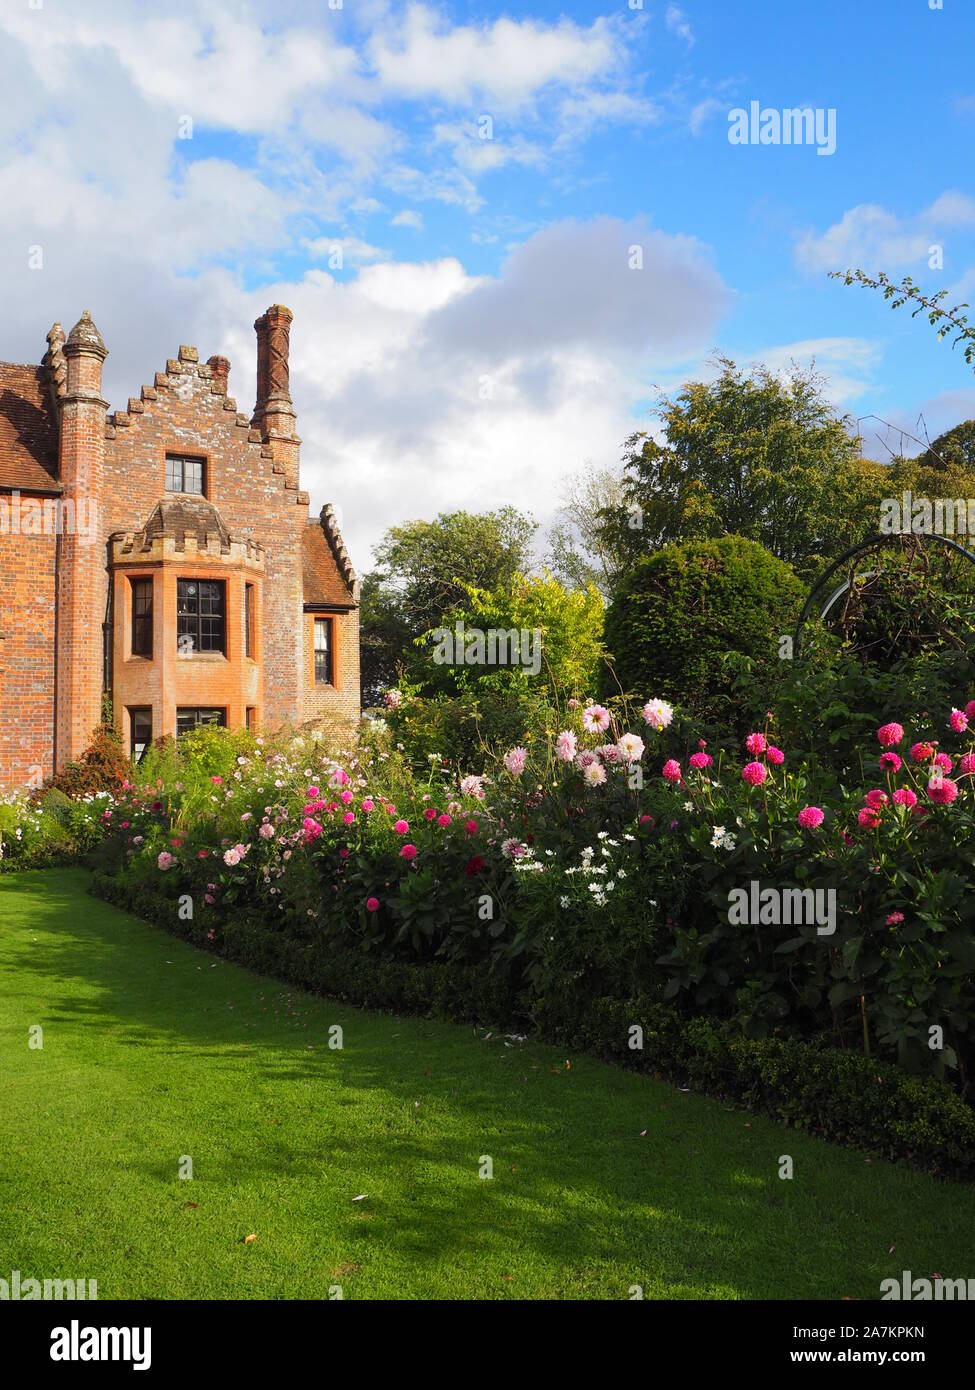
point(862, 547)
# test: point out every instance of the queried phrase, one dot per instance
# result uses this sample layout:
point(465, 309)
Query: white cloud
point(678, 24)
point(846, 364)
point(408, 218)
point(508, 62)
point(872, 238)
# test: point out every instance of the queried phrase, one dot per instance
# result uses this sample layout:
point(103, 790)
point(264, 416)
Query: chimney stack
point(219, 372)
point(274, 414)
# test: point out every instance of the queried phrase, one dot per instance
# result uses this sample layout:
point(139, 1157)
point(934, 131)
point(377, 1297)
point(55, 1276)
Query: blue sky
point(484, 335)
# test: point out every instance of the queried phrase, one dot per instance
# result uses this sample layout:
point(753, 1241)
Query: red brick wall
point(26, 657)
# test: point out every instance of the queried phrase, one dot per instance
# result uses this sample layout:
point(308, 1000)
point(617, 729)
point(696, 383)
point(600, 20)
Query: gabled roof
point(28, 430)
point(326, 570)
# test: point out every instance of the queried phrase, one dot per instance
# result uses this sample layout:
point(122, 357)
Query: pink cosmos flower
point(165, 860)
point(894, 918)
point(891, 760)
point(942, 790)
point(514, 761)
point(958, 721)
point(408, 852)
point(595, 718)
point(775, 755)
point(903, 796)
point(756, 743)
point(699, 761)
point(754, 774)
point(401, 827)
point(671, 770)
point(810, 817)
point(372, 904)
point(565, 746)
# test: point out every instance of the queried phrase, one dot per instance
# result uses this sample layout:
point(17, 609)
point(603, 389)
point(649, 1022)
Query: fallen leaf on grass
point(191, 1204)
point(249, 1240)
point(361, 1198)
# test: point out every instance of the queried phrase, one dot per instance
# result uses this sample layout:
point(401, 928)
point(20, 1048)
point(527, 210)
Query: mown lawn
point(152, 1051)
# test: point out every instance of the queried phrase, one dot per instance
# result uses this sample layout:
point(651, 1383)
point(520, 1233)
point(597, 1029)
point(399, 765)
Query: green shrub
point(678, 612)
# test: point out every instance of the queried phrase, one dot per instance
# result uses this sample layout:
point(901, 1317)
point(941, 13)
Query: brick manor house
point(162, 556)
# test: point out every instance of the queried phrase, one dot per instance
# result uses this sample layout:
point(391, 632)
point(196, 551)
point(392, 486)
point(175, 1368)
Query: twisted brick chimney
point(274, 414)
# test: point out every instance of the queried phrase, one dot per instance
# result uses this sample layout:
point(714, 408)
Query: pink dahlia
point(165, 860)
point(671, 770)
point(658, 714)
point(754, 774)
point(876, 798)
point(514, 761)
point(565, 746)
point(372, 904)
point(408, 852)
point(868, 818)
point(889, 734)
point(970, 709)
point(595, 718)
point(699, 761)
point(810, 817)
point(942, 761)
point(775, 755)
point(903, 796)
point(958, 720)
point(967, 763)
point(894, 919)
point(401, 827)
point(443, 819)
point(890, 760)
point(922, 752)
point(756, 743)
point(470, 827)
point(942, 790)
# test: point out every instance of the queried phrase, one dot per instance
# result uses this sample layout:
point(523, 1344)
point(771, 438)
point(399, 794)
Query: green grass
point(153, 1050)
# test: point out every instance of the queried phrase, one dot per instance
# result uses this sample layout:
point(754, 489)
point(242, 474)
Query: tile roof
point(322, 578)
point(28, 430)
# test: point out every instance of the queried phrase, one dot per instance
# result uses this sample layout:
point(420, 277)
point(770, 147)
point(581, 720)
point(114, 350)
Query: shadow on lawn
point(574, 1181)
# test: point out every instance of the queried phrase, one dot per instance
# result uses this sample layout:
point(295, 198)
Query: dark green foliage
point(680, 611)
